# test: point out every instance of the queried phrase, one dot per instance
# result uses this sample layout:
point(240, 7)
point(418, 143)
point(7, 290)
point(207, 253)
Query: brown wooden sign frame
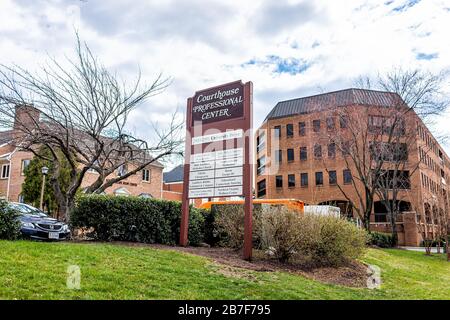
point(243, 121)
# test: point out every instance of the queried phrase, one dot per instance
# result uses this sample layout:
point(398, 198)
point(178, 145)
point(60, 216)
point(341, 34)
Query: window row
point(318, 179)
point(303, 154)
point(316, 125)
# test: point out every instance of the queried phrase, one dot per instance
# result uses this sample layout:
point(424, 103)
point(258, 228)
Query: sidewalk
point(421, 249)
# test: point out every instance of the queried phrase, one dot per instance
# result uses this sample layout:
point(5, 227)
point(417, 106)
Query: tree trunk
point(394, 229)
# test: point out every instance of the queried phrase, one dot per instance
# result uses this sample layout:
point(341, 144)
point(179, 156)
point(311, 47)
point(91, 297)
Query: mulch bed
point(352, 275)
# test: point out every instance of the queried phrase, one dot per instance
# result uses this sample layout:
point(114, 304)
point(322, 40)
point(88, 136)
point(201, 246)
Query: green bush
point(136, 219)
point(310, 239)
point(9, 222)
point(380, 239)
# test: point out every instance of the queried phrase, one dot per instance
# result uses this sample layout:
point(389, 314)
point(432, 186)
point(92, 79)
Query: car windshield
point(28, 210)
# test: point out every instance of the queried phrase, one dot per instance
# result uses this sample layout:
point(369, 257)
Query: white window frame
point(2, 173)
point(22, 170)
point(148, 175)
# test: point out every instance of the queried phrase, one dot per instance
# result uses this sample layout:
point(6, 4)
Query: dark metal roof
point(332, 100)
point(175, 175)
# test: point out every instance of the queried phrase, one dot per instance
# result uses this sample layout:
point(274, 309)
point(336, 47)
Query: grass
point(35, 270)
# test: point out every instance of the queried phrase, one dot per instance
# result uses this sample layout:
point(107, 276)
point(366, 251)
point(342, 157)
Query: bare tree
point(84, 109)
point(376, 141)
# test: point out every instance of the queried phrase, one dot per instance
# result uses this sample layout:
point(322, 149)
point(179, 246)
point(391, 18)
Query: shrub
point(135, 219)
point(280, 232)
point(225, 226)
point(380, 239)
point(9, 222)
point(339, 241)
point(311, 239)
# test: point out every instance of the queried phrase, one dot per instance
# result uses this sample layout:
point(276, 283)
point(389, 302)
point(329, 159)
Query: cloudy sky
point(287, 48)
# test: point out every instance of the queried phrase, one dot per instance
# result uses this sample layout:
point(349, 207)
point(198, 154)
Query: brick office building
point(296, 160)
point(13, 161)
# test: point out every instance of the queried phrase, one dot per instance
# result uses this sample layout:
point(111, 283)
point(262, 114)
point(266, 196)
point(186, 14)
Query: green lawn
point(34, 270)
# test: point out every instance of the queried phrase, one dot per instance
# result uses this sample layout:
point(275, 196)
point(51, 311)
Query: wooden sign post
point(218, 152)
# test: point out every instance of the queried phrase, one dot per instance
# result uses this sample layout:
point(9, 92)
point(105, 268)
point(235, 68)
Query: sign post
point(218, 151)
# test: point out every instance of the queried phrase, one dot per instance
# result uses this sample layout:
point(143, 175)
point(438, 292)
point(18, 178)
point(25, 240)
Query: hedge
point(380, 239)
point(136, 219)
point(9, 222)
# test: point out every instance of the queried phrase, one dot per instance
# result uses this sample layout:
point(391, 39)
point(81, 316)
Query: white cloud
point(200, 44)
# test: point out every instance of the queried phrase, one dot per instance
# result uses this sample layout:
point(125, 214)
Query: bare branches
point(79, 108)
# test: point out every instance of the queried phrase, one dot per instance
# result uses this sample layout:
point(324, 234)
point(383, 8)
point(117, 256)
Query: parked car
point(36, 224)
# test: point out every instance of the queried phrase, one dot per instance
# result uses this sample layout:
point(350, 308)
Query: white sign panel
point(201, 184)
point(202, 157)
point(227, 182)
point(221, 136)
point(227, 163)
point(228, 191)
point(199, 166)
point(200, 175)
point(229, 172)
point(230, 153)
point(201, 193)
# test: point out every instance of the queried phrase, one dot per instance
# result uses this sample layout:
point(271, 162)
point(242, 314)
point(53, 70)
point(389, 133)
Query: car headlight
point(65, 228)
point(28, 225)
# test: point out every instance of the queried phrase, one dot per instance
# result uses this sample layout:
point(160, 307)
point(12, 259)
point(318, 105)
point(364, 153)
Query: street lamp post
point(44, 175)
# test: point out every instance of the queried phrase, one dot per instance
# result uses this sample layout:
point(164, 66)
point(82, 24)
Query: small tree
point(31, 188)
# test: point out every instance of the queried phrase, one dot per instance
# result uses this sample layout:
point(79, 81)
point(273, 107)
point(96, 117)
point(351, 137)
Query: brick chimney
point(26, 116)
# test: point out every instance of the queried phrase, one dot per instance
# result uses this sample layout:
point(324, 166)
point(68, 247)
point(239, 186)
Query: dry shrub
point(280, 234)
point(311, 239)
point(229, 225)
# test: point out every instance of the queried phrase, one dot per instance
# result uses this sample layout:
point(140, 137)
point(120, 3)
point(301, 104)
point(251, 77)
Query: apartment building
point(297, 158)
point(13, 162)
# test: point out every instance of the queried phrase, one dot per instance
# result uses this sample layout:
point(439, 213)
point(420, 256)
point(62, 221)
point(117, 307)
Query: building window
point(388, 151)
point(278, 156)
point(343, 121)
point(330, 123)
point(290, 155)
point(317, 151)
point(316, 125)
point(345, 148)
point(380, 217)
point(145, 195)
point(303, 153)
point(5, 171)
point(25, 164)
point(391, 179)
point(304, 179)
point(332, 150)
point(261, 142)
point(277, 131)
point(146, 175)
point(122, 170)
point(121, 192)
point(289, 130)
point(319, 178)
point(302, 128)
point(383, 125)
point(332, 177)
point(261, 188)
point(347, 176)
point(291, 180)
point(261, 165)
point(279, 181)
